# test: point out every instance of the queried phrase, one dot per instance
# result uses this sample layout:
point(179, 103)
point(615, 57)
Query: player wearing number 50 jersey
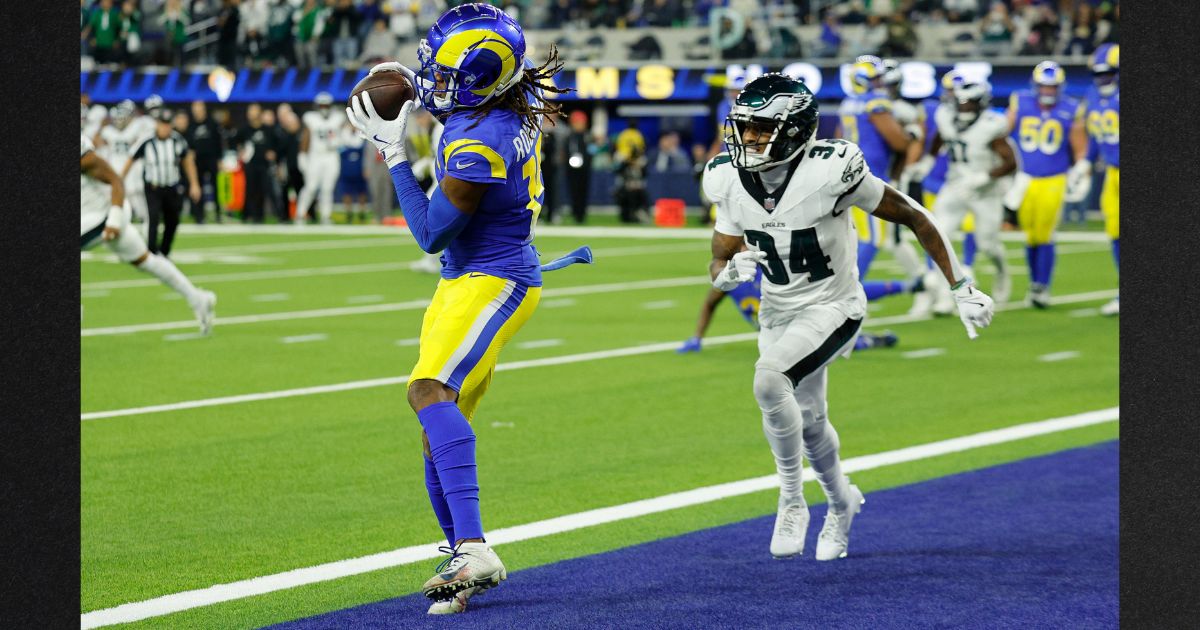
point(786, 196)
point(1039, 120)
point(474, 79)
point(1097, 133)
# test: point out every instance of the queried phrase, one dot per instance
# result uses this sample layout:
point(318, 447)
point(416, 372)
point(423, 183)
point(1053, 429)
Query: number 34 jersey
point(804, 227)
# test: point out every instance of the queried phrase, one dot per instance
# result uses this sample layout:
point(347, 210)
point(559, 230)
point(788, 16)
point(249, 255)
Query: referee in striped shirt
point(165, 155)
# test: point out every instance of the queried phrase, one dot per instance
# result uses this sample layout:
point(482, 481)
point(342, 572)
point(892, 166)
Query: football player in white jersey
point(981, 155)
point(786, 195)
point(143, 127)
point(116, 140)
point(320, 159)
point(103, 217)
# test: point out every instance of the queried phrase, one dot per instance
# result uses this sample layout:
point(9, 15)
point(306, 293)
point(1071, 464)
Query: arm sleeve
point(433, 221)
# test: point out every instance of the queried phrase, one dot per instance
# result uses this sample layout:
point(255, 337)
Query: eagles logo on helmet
point(778, 114)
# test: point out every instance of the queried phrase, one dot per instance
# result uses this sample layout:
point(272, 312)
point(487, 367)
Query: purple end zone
point(1027, 544)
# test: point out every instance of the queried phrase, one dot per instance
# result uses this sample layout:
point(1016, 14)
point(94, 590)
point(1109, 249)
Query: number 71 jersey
point(804, 227)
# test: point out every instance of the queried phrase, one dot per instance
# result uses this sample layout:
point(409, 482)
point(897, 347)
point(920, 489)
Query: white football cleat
point(791, 526)
point(454, 604)
point(1038, 297)
point(470, 565)
point(205, 309)
point(834, 539)
point(1112, 308)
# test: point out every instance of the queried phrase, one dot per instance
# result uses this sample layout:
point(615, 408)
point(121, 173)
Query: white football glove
point(388, 135)
point(975, 308)
point(919, 170)
point(741, 268)
point(1079, 181)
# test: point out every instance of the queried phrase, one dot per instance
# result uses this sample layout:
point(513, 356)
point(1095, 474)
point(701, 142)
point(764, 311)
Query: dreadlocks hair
point(534, 83)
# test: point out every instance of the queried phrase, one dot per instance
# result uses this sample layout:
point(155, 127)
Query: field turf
point(183, 497)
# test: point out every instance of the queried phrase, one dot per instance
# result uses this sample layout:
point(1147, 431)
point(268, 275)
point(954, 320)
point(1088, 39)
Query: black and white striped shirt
point(162, 158)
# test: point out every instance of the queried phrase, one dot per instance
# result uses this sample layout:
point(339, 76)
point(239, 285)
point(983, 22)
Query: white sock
point(821, 448)
point(781, 424)
point(165, 270)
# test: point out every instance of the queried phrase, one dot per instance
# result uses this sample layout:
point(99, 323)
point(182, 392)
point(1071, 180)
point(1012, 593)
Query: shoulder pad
point(844, 163)
point(719, 176)
point(719, 159)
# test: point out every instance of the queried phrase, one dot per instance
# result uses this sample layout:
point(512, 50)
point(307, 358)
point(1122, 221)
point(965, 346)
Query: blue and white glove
point(1079, 181)
point(388, 135)
point(691, 345)
point(975, 308)
point(741, 268)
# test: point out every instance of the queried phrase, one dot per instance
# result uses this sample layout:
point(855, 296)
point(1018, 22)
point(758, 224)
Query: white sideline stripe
point(1066, 236)
point(658, 305)
point(540, 343)
point(586, 289)
point(514, 365)
point(1058, 356)
point(242, 589)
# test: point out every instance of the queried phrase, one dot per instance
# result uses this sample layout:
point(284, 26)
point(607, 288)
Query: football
point(389, 90)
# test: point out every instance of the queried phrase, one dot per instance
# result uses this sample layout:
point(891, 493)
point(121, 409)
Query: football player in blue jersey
point(1097, 131)
point(1039, 120)
point(474, 79)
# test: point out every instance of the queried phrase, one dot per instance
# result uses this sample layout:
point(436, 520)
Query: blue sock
point(969, 249)
point(441, 509)
point(452, 443)
point(1045, 264)
point(876, 289)
point(1031, 258)
point(1117, 253)
point(866, 253)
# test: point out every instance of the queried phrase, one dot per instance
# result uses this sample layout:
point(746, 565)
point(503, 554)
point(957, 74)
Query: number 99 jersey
point(804, 226)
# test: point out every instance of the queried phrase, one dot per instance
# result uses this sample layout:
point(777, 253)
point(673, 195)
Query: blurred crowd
point(307, 33)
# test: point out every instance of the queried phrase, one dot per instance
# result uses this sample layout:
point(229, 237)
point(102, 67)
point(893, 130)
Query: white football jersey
point(95, 197)
point(119, 144)
point(144, 127)
point(324, 132)
point(805, 228)
point(970, 149)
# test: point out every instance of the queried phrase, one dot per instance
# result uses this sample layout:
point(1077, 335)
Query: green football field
point(284, 441)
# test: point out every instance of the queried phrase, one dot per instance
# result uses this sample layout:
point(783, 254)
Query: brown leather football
point(389, 89)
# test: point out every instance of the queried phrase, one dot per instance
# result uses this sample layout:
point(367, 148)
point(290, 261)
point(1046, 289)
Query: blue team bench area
point(1031, 544)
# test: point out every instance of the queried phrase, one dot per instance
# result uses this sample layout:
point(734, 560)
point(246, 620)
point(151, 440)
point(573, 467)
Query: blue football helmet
point(1105, 66)
point(472, 54)
point(866, 73)
point(1048, 74)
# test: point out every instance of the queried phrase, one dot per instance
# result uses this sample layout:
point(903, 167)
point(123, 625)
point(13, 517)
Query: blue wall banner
point(648, 83)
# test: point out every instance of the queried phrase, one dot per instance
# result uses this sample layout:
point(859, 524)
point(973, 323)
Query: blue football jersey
point(1102, 115)
point(1041, 134)
point(854, 117)
point(494, 149)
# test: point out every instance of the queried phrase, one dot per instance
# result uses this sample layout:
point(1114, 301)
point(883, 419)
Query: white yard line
point(1058, 356)
point(515, 365)
point(923, 353)
point(587, 289)
point(540, 343)
point(187, 600)
point(304, 338)
point(659, 305)
point(270, 297)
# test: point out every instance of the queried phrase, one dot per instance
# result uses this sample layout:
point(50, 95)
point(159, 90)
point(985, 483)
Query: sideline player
point(785, 195)
point(980, 154)
point(1097, 130)
point(1039, 119)
point(103, 217)
point(320, 158)
point(474, 79)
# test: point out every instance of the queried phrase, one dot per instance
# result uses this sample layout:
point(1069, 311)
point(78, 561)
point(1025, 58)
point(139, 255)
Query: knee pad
point(129, 246)
point(772, 390)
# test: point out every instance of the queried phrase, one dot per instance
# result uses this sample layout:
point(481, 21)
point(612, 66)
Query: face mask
point(964, 119)
point(1047, 100)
